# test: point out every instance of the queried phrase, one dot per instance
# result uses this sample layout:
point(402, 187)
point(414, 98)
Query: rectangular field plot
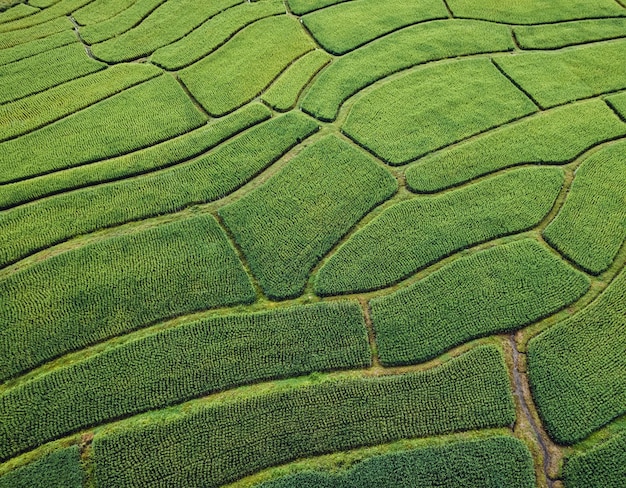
point(207, 445)
point(551, 36)
point(29, 113)
point(168, 23)
point(432, 107)
point(557, 77)
point(179, 363)
point(286, 226)
point(29, 228)
point(214, 33)
point(534, 11)
point(577, 369)
point(168, 153)
point(247, 64)
point(116, 285)
point(364, 20)
point(413, 234)
point(22, 36)
point(600, 467)
point(140, 116)
point(100, 10)
point(591, 226)
point(497, 290)
point(504, 461)
point(556, 136)
point(283, 94)
point(45, 70)
point(59, 469)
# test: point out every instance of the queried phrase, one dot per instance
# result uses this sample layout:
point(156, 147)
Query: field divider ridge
point(82, 41)
point(517, 85)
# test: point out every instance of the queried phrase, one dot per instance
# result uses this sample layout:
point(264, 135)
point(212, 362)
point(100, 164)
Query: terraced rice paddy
point(312, 243)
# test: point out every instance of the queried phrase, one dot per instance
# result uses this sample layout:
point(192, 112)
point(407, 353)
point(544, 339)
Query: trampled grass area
point(213, 271)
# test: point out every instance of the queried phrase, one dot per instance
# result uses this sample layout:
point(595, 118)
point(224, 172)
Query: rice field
point(312, 243)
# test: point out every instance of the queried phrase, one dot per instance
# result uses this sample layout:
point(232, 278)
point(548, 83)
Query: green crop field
point(313, 243)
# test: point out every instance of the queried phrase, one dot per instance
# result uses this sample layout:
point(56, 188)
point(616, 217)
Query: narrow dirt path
point(85, 45)
point(519, 392)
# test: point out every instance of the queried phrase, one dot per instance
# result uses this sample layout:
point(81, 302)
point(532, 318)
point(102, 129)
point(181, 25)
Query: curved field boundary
point(416, 233)
point(193, 359)
point(22, 36)
point(569, 74)
point(43, 71)
point(60, 9)
point(148, 113)
point(206, 443)
point(29, 228)
point(287, 225)
point(364, 20)
point(404, 49)
point(59, 469)
point(37, 46)
point(100, 10)
point(34, 112)
point(214, 33)
point(284, 92)
point(498, 290)
point(600, 467)
point(17, 12)
point(576, 368)
point(569, 33)
point(150, 275)
point(254, 57)
point(591, 226)
point(166, 24)
point(300, 7)
point(448, 102)
point(120, 23)
point(503, 460)
point(556, 136)
point(534, 11)
point(168, 153)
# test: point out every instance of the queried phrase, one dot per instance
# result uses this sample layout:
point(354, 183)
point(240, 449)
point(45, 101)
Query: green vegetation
point(557, 77)
point(151, 275)
point(45, 70)
point(120, 23)
point(447, 102)
point(412, 234)
point(618, 102)
point(591, 226)
point(214, 33)
point(491, 463)
point(254, 57)
point(534, 11)
point(409, 47)
point(100, 10)
point(299, 7)
point(602, 467)
point(29, 228)
point(364, 20)
point(17, 12)
point(56, 11)
point(36, 46)
point(210, 444)
point(13, 38)
point(287, 225)
point(167, 153)
point(571, 33)
point(168, 23)
point(577, 369)
point(140, 116)
point(284, 93)
point(556, 136)
point(60, 469)
point(497, 290)
point(30, 113)
point(193, 359)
